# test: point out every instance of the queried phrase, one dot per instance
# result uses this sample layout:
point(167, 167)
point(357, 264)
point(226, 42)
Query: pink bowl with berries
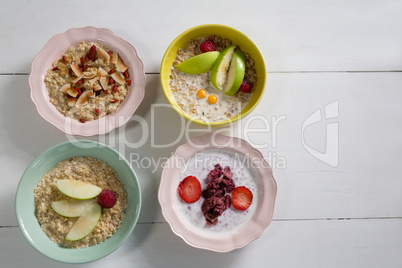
point(53, 50)
point(219, 220)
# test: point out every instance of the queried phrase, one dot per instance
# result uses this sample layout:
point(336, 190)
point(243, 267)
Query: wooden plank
point(364, 184)
point(366, 178)
point(292, 35)
point(348, 243)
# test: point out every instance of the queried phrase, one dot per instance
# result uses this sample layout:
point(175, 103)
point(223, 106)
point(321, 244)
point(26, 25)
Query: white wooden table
point(345, 53)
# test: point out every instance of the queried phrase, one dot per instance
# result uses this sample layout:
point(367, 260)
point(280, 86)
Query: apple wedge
point(236, 73)
point(199, 64)
point(219, 71)
point(72, 207)
point(85, 223)
point(78, 189)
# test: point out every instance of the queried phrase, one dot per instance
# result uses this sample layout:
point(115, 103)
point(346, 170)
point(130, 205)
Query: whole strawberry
point(107, 198)
point(207, 46)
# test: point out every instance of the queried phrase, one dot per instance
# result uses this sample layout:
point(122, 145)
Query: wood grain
point(365, 184)
point(317, 53)
point(292, 35)
point(348, 243)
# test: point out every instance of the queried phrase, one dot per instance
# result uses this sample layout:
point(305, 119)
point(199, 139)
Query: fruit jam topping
point(216, 200)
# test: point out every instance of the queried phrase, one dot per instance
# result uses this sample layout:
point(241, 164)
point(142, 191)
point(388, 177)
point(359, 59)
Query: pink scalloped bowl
point(54, 48)
point(196, 236)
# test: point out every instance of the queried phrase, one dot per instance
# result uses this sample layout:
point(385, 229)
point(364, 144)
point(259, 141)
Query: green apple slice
point(236, 73)
point(199, 64)
point(72, 207)
point(85, 223)
point(219, 71)
point(78, 189)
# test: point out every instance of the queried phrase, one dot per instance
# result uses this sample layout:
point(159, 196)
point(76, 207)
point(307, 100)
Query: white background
point(316, 52)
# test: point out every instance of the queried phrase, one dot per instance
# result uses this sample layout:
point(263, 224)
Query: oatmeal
point(86, 169)
point(87, 82)
point(190, 91)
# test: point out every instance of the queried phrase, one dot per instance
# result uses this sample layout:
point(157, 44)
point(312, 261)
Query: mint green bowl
point(25, 204)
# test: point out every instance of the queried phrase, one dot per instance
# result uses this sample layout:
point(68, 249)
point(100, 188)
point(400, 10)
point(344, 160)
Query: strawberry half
point(242, 198)
point(189, 189)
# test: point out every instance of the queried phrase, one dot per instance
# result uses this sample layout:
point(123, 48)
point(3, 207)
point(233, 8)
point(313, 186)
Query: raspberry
point(107, 199)
point(246, 86)
point(207, 46)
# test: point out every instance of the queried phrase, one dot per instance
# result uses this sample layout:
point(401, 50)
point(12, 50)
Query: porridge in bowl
point(54, 188)
point(87, 82)
point(197, 93)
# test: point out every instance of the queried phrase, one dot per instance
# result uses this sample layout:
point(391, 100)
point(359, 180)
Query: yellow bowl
point(240, 39)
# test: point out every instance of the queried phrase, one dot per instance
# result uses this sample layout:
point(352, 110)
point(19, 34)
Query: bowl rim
point(197, 238)
point(21, 218)
point(230, 120)
point(94, 127)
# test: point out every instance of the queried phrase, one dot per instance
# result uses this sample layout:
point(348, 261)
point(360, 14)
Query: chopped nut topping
point(96, 87)
point(93, 80)
point(114, 58)
point(89, 76)
point(83, 99)
point(77, 71)
point(118, 77)
point(103, 81)
point(77, 79)
point(63, 68)
point(79, 75)
point(102, 71)
point(72, 101)
point(72, 92)
point(120, 66)
point(65, 87)
point(104, 54)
